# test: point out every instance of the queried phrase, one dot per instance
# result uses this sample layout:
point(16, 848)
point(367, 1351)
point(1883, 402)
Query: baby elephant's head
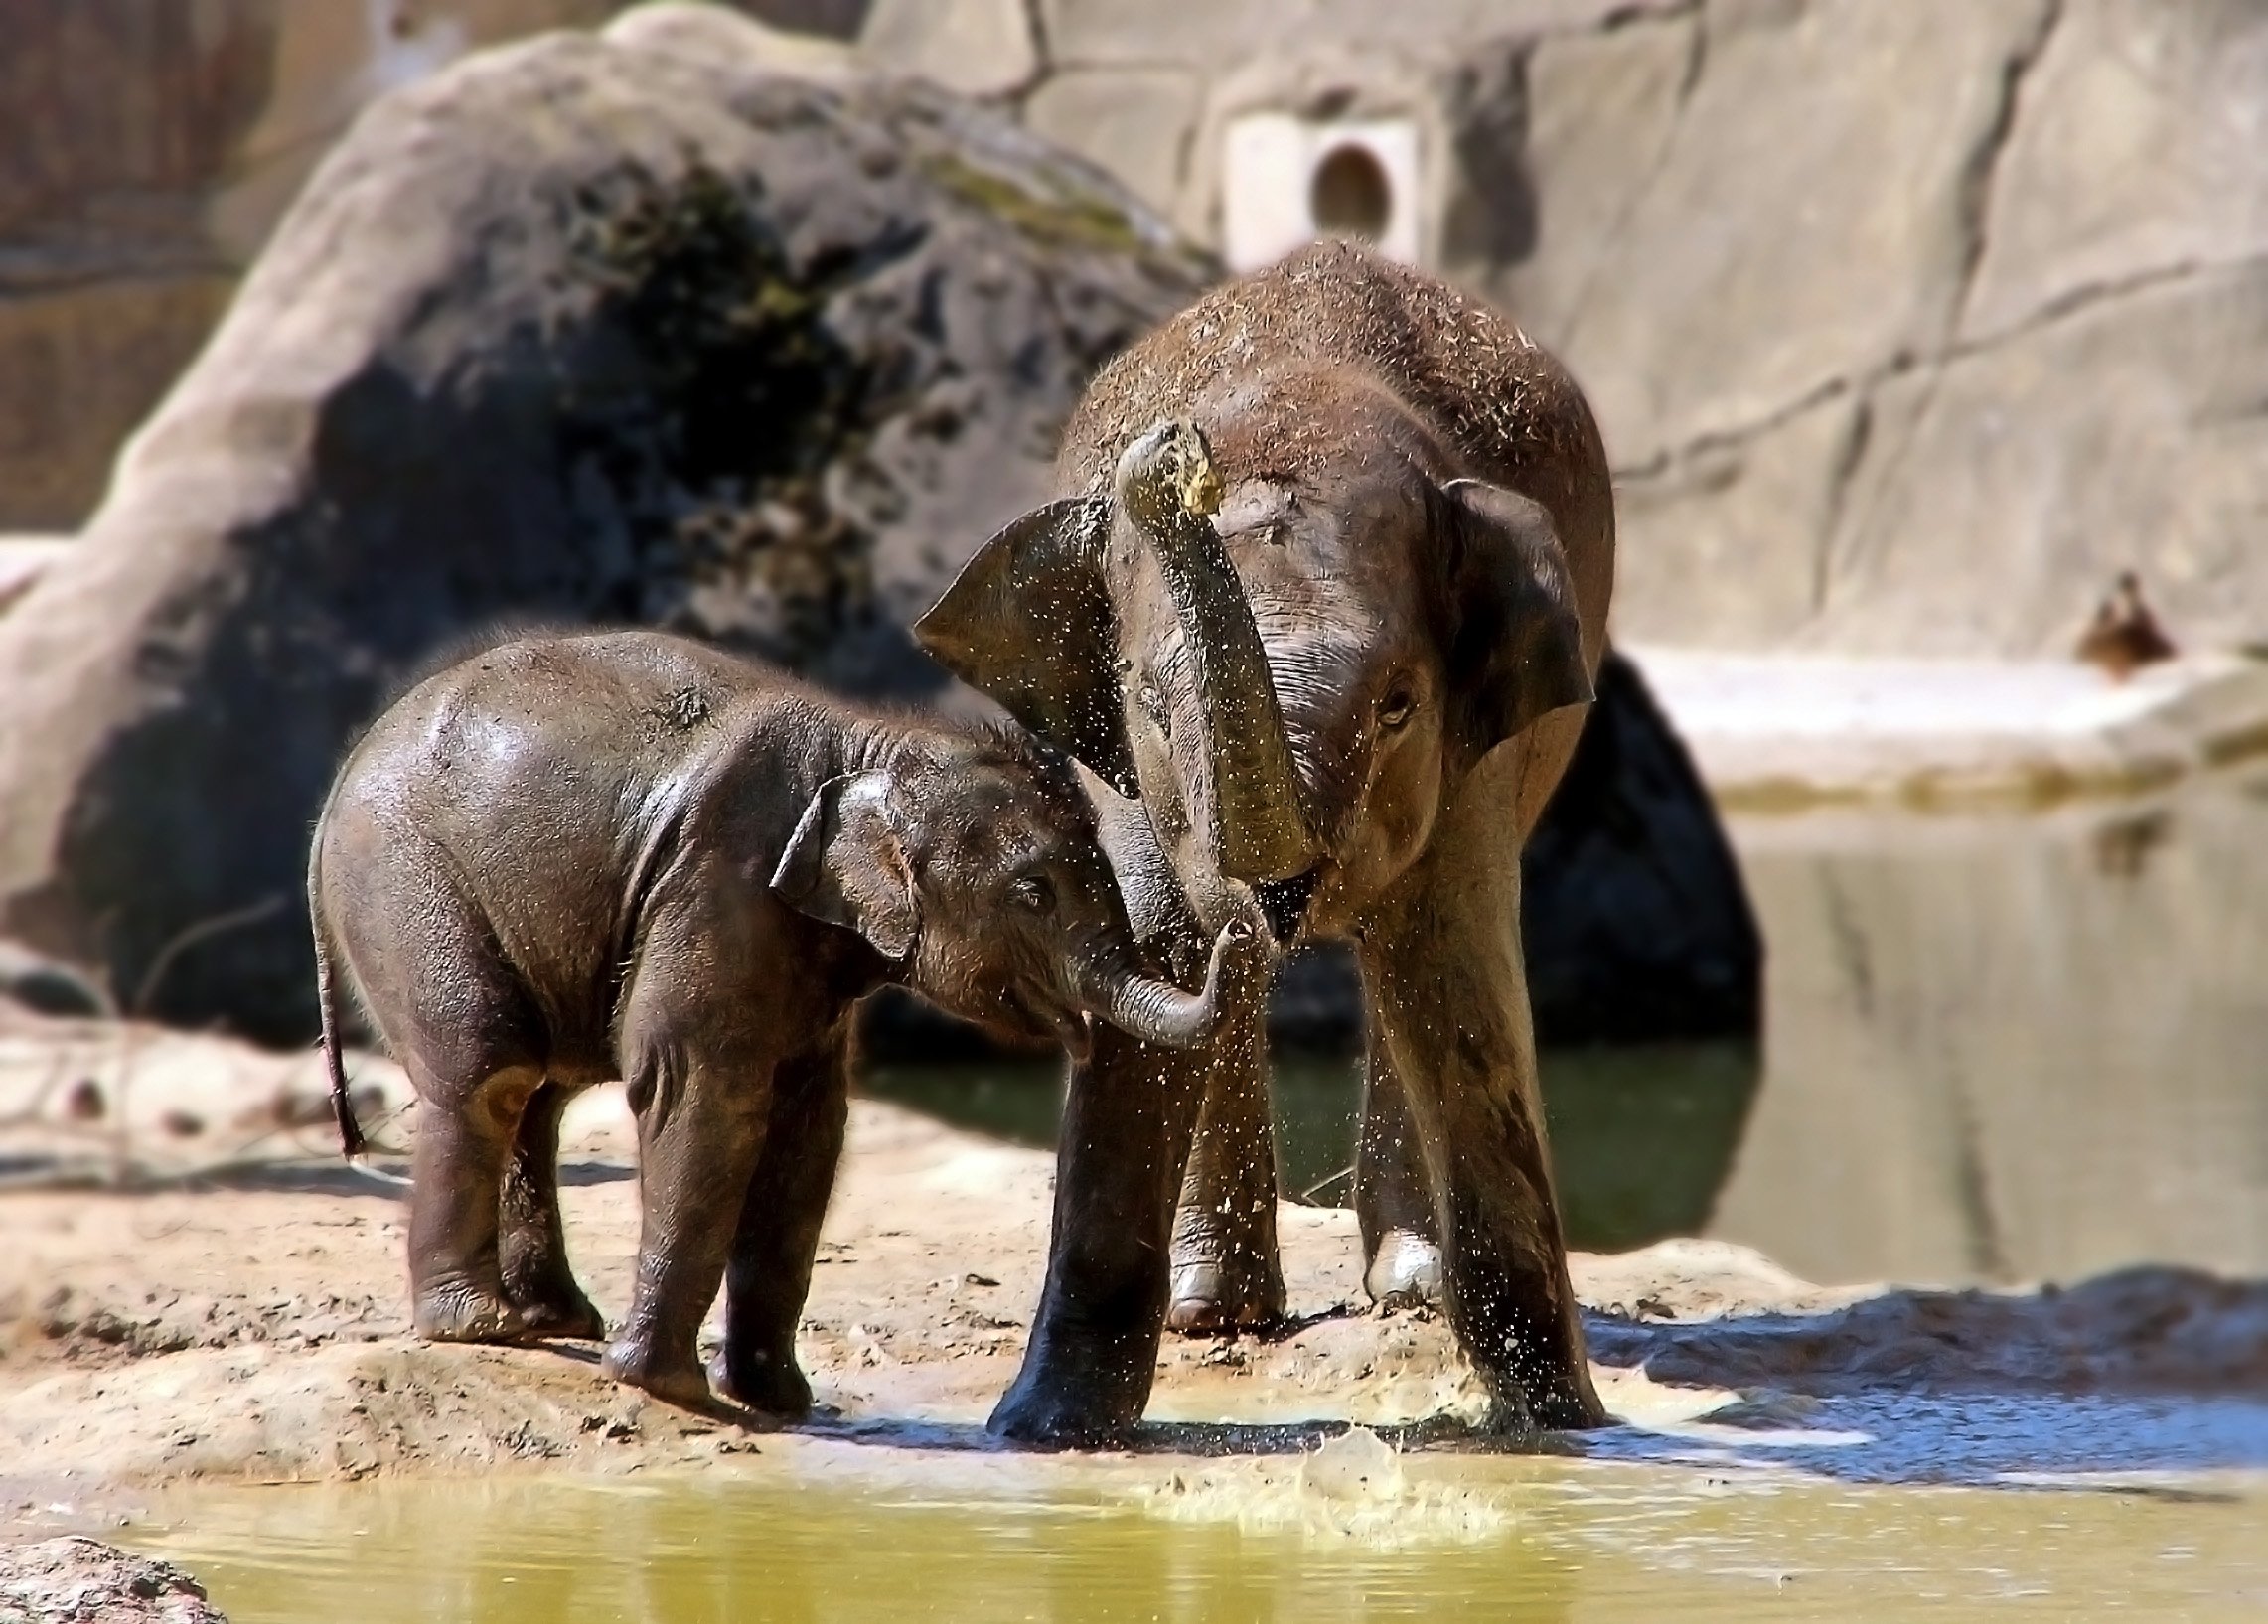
point(979, 877)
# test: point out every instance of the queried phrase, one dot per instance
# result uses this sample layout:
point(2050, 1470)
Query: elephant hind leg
point(531, 1241)
point(464, 1136)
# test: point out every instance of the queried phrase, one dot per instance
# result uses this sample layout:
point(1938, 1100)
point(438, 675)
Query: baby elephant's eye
point(1033, 892)
point(1395, 709)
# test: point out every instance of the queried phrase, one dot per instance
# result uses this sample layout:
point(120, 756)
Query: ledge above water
point(1786, 732)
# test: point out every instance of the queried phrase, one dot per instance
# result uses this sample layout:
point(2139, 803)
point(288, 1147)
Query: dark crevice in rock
point(2082, 298)
point(1635, 14)
point(1973, 217)
point(2071, 304)
point(1715, 442)
point(1696, 18)
point(1493, 218)
point(1847, 456)
point(1982, 169)
point(715, 448)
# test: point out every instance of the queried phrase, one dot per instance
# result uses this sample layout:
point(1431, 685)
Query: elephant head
point(980, 878)
point(1292, 662)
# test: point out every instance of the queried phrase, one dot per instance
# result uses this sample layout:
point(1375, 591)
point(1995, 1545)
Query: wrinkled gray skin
point(1350, 689)
point(627, 855)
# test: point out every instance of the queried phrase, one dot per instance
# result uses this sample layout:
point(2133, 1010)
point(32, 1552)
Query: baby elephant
point(626, 855)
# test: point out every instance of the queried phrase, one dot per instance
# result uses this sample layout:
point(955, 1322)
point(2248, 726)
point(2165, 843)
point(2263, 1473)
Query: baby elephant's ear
point(1510, 637)
point(844, 865)
point(1029, 622)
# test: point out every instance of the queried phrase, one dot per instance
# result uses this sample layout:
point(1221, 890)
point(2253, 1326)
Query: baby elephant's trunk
point(1158, 1011)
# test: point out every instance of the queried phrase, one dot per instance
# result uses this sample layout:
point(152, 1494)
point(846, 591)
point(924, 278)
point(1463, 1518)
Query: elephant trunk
point(1158, 1011)
point(1167, 488)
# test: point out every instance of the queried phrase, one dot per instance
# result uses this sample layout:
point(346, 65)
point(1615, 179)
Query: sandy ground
point(241, 1316)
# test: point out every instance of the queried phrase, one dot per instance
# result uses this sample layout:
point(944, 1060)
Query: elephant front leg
point(1227, 1276)
point(532, 1241)
point(768, 1276)
point(700, 1129)
point(1450, 1004)
point(1392, 1202)
point(1086, 1371)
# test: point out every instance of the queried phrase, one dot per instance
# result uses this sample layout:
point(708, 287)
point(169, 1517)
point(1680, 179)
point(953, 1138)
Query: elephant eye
point(1033, 892)
point(1396, 708)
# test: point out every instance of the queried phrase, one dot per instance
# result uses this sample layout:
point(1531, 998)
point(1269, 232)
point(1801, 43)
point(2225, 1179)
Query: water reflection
point(1998, 1048)
point(2012, 1047)
point(1643, 1137)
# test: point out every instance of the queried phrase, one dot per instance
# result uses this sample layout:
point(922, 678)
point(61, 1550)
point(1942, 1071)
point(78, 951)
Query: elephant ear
point(1510, 634)
point(1029, 622)
point(844, 865)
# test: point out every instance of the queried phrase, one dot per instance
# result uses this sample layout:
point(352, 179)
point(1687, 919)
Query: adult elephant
point(1318, 608)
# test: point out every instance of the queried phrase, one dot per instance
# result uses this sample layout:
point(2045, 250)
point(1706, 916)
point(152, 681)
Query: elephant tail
point(351, 1141)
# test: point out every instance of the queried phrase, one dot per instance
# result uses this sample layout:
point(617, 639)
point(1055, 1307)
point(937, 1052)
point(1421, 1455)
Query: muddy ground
point(239, 1314)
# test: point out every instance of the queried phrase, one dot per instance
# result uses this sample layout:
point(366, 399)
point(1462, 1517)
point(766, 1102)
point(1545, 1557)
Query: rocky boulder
point(75, 1579)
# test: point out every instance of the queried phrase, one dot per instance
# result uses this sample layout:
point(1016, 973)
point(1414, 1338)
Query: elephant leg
point(1226, 1272)
point(768, 1276)
point(531, 1241)
point(701, 1131)
point(464, 1134)
point(1450, 1004)
point(1393, 1200)
point(1126, 1125)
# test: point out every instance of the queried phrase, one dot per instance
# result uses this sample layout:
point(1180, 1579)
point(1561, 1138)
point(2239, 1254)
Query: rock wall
point(1909, 322)
point(150, 148)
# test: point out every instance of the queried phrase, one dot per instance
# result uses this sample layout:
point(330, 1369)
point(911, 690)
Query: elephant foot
point(575, 1321)
point(1404, 1272)
point(1514, 1412)
point(767, 1384)
point(552, 1303)
point(680, 1382)
point(1213, 1298)
point(1045, 1413)
point(458, 1313)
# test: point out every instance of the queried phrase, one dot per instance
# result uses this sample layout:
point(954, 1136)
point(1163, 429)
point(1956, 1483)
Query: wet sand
point(249, 1325)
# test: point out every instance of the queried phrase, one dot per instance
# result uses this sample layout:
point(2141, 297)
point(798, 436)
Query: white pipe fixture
point(1286, 181)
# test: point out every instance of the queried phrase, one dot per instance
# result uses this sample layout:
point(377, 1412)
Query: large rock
point(1637, 919)
point(70, 1580)
point(592, 328)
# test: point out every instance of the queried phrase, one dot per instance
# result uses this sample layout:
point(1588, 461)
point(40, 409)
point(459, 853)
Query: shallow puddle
point(1248, 1539)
